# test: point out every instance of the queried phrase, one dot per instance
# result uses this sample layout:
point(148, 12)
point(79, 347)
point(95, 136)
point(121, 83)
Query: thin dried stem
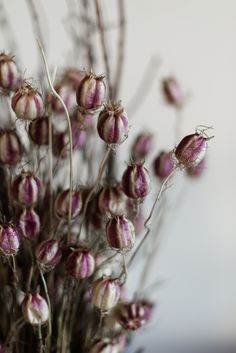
point(101, 29)
point(70, 138)
point(146, 224)
point(96, 184)
point(35, 21)
point(49, 306)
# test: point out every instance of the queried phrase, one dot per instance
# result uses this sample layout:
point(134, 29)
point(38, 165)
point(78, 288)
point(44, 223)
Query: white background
point(196, 41)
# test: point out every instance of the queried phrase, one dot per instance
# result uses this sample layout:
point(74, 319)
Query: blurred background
point(195, 41)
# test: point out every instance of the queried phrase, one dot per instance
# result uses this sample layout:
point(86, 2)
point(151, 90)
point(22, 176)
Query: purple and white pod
point(91, 92)
point(9, 74)
point(80, 263)
point(142, 146)
point(35, 309)
point(26, 188)
point(111, 200)
point(9, 239)
point(67, 92)
point(163, 164)
point(191, 150)
point(29, 223)
point(106, 293)
point(173, 92)
point(11, 148)
point(136, 181)
point(62, 204)
point(48, 254)
point(61, 141)
point(120, 233)
point(197, 170)
point(27, 103)
point(133, 315)
point(105, 345)
point(39, 131)
point(113, 124)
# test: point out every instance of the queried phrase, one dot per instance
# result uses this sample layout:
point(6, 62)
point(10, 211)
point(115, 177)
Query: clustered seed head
point(91, 92)
point(61, 204)
point(136, 181)
point(9, 239)
point(29, 223)
point(113, 124)
point(142, 146)
point(35, 309)
point(163, 164)
point(105, 293)
point(80, 263)
point(120, 233)
point(26, 188)
point(191, 150)
point(11, 149)
point(9, 75)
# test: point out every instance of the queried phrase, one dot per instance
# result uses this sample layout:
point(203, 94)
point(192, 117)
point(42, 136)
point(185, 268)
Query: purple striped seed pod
point(113, 124)
point(135, 215)
point(163, 164)
point(9, 74)
point(9, 239)
point(26, 188)
point(197, 170)
point(29, 223)
point(84, 121)
point(191, 150)
point(105, 345)
point(133, 315)
point(11, 149)
point(61, 141)
point(39, 131)
point(105, 293)
point(62, 204)
point(27, 103)
point(91, 92)
point(48, 254)
point(111, 200)
point(136, 181)
point(142, 146)
point(35, 309)
point(80, 263)
point(74, 77)
point(120, 233)
point(172, 92)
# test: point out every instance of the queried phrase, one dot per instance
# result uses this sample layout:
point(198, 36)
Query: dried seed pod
point(113, 124)
point(136, 181)
point(105, 293)
point(133, 315)
point(27, 103)
point(10, 148)
point(91, 92)
point(26, 188)
point(105, 345)
point(35, 309)
point(173, 92)
point(111, 200)
point(9, 74)
point(134, 213)
point(62, 204)
point(197, 170)
point(29, 223)
point(67, 92)
point(164, 164)
point(191, 150)
point(80, 263)
point(9, 239)
point(142, 146)
point(39, 131)
point(120, 233)
point(48, 254)
point(74, 77)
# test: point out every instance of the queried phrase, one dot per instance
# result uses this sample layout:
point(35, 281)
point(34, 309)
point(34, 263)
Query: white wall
point(196, 40)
